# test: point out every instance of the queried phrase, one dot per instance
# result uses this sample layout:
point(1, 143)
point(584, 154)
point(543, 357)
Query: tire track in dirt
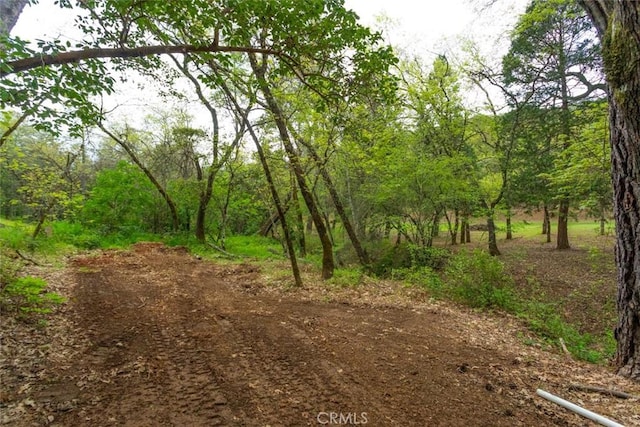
point(177, 342)
point(147, 324)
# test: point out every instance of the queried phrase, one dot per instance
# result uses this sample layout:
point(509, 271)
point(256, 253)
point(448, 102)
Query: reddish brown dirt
point(164, 339)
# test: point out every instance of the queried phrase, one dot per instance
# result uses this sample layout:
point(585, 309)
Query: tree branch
point(121, 52)
point(7, 133)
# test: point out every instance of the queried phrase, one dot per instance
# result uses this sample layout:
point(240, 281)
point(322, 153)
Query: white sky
point(420, 28)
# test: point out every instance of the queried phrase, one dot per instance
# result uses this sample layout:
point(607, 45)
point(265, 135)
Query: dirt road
point(174, 341)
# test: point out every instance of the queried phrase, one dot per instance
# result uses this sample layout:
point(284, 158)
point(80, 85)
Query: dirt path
point(174, 341)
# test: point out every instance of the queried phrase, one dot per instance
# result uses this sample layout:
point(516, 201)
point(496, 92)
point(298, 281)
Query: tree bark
point(546, 223)
point(509, 227)
point(562, 238)
point(562, 241)
point(76, 56)
point(467, 231)
point(302, 244)
point(10, 11)
point(491, 227)
point(618, 24)
point(453, 230)
point(493, 242)
point(327, 248)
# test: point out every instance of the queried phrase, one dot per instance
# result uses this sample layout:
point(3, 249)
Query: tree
point(121, 200)
point(584, 169)
point(46, 176)
point(441, 126)
point(123, 141)
point(618, 26)
point(552, 61)
point(320, 43)
point(10, 10)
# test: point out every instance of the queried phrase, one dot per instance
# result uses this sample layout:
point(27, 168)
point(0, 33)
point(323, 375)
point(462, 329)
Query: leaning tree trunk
point(363, 257)
point(618, 24)
point(327, 248)
point(302, 244)
point(243, 114)
point(175, 218)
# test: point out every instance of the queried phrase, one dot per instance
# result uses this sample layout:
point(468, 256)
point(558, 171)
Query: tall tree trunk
point(618, 24)
point(562, 238)
point(10, 11)
point(491, 226)
point(302, 244)
point(217, 161)
point(453, 228)
point(363, 257)
point(546, 223)
point(467, 231)
point(272, 187)
point(327, 249)
point(562, 241)
point(509, 227)
point(493, 242)
point(276, 200)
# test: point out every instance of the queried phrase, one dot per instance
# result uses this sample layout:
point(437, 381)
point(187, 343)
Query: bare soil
point(156, 337)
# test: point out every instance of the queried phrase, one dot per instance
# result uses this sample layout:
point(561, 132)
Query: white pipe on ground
point(578, 409)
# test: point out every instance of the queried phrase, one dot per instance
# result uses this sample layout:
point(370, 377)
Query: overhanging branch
point(121, 52)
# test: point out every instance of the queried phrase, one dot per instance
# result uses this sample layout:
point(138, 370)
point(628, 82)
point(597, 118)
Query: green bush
point(27, 295)
point(75, 234)
point(16, 237)
point(479, 280)
point(423, 256)
point(121, 200)
point(425, 277)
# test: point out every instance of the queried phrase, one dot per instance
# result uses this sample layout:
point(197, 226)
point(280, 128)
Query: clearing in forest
point(156, 337)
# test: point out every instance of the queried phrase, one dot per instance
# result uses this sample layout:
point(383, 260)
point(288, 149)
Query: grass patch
point(346, 278)
point(254, 247)
point(545, 321)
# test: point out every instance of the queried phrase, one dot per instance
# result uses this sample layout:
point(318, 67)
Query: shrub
point(346, 278)
point(479, 280)
point(425, 277)
point(424, 256)
point(75, 234)
point(387, 259)
point(27, 295)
